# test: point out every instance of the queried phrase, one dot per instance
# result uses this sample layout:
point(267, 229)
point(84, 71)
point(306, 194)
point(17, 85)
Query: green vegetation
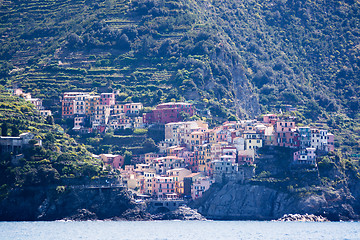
point(58, 158)
point(292, 52)
point(230, 58)
point(333, 172)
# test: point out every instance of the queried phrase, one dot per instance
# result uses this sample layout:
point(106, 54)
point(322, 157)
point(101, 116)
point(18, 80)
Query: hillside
point(330, 189)
point(58, 160)
point(231, 58)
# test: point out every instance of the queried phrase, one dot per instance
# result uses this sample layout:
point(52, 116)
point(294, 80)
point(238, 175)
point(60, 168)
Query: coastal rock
point(235, 201)
point(135, 215)
point(182, 213)
point(302, 218)
point(47, 204)
point(82, 215)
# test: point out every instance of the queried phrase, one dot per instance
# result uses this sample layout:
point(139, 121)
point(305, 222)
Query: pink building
point(270, 118)
point(246, 157)
point(284, 133)
point(330, 142)
point(107, 99)
point(191, 162)
point(149, 157)
point(296, 137)
point(78, 123)
point(68, 103)
point(222, 135)
point(163, 186)
point(67, 106)
point(168, 112)
point(116, 161)
point(132, 108)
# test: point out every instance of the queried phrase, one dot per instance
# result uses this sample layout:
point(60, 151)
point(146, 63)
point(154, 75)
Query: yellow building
point(212, 136)
point(253, 140)
point(196, 138)
point(90, 104)
point(118, 109)
point(178, 175)
point(203, 157)
point(149, 176)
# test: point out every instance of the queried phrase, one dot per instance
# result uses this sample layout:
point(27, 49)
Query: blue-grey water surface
point(178, 230)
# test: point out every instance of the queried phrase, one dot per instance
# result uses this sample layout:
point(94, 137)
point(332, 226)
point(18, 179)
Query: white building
point(305, 156)
point(319, 139)
point(79, 104)
point(199, 186)
point(45, 113)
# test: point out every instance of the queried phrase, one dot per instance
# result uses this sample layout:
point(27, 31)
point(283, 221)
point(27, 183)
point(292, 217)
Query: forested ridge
point(235, 59)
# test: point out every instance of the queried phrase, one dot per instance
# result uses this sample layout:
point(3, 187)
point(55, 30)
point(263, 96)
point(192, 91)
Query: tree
point(184, 115)
point(4, 129)
point(232, 118)
point(15, 131)
point(149, 145)
point(49, 137)
point(123, 42)
point(127, 158)
point(50, 120)
point(313, 110)
point(74, 41)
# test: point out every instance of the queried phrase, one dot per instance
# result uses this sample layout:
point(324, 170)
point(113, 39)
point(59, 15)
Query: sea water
point(192, 230)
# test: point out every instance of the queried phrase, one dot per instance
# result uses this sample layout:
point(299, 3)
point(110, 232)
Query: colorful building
point(90, 104)
point(116, 161)
point(305, 156)
point(319, 139)
point(284, 133)
point(330, 139)
point(304, 136)
point(79, 104)
point(163, 186)
point(270, 118)
point(70, 103)
point(253, 140)
point(107, 99)
point(178, 175)
point(168, 112)
point(199, 186)
point(246, 157)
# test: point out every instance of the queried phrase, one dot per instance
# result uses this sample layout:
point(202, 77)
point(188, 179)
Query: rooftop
point(174, 103)
point(109, 155)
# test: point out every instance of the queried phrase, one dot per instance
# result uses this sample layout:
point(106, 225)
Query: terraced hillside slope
point(48, 159)
point(229, 58)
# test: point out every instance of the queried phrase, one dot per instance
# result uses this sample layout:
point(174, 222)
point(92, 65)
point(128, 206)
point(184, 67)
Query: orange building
point(68, 103)
point(90, 104)
point(67, 106)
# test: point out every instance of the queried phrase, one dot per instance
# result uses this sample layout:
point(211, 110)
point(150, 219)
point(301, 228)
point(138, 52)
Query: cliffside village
point(192, 156)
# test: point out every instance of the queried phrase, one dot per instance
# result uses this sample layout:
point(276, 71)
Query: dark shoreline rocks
point(48, 204)
point(232, 201)
point(236, 201)
point(182, 213)
point(80, 204)
point(82, 215)
point(301, 218)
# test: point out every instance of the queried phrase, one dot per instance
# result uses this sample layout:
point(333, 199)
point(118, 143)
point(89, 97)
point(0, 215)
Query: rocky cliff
point(30, 204)
point(82, 204)
point(258, 202)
